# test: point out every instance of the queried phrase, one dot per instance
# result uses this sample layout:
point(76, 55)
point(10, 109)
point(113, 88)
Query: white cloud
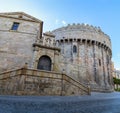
point(63, 22)
point(60, 22)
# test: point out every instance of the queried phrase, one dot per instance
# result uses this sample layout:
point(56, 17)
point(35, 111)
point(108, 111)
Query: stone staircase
point(37, 82)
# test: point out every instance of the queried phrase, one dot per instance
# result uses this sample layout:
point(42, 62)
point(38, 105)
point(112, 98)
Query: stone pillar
point(89, 61)
point(33, 64)
point(86, 62)
point(106, 67)
point(71, 51)
point(98, 64)
point(94, 58)
point(109, 67)
point(101, 72)
point(103, 62)
point(63, 45)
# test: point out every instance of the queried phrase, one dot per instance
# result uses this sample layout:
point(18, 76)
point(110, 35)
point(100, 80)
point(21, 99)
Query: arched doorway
point(44, 63)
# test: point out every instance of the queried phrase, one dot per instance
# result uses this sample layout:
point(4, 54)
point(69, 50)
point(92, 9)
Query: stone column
point(89, 61)
point(103, 62)
point(94, 58)
point(109, 67)
point(63, 45)
point(71, 51)
point(86, 62)
point(101, 72)
point(33, 64)
point(111, 77)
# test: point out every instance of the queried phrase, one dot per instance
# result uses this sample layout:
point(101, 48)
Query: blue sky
point(58, 13)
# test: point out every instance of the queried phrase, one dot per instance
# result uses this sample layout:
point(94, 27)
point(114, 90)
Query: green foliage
point(117, 89)
point(116, 81)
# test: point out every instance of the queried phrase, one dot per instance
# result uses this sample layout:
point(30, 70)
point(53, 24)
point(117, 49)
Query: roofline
point(47, 34)
point(14, 13)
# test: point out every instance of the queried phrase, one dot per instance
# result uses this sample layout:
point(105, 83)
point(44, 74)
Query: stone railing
point(36, 82)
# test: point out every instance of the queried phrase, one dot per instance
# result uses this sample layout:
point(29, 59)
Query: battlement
point(82, 27)
point(82, 32)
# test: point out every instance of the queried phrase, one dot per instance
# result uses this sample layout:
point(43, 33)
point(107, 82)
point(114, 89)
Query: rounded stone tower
point(87, 53)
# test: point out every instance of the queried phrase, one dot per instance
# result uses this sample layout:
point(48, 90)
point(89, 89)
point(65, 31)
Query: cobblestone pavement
point(96, 103)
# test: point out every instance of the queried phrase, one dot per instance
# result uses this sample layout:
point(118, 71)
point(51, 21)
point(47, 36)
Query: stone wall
point(44, 50)
point(16, 45)
point(91, 61)
point(34, 82)
point(82, 31)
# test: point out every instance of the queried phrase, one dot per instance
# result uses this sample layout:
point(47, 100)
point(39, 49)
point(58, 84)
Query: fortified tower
point(86, 54)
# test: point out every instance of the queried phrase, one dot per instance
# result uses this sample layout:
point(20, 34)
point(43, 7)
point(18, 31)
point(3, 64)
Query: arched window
point(44, 63)
point(74, 49)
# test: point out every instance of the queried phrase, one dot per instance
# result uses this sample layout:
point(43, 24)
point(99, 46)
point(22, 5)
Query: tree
point(116, 81)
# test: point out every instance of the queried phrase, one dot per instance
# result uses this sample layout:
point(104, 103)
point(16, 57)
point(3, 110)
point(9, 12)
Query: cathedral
point(71, 60)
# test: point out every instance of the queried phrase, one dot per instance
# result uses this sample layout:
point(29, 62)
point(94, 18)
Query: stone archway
point(44, 63)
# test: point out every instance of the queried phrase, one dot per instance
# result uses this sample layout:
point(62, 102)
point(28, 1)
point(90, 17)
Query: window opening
point(99, 62)
point(74, 49)
point(15, 26)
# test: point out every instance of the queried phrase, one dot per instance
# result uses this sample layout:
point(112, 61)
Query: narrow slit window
point(15, 26)
point(107, 59)
point(99, 62)
point(74, 49)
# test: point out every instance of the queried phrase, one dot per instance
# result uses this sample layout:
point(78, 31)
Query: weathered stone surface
point(91, 61)
point(16, 45)
point(82, 52)
point(44, 83)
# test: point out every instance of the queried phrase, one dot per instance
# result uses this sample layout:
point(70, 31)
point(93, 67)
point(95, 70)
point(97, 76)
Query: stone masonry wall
point(91, 62)
point(82, 31)
point(33, 82)
point(52, 52)
point(16, 46)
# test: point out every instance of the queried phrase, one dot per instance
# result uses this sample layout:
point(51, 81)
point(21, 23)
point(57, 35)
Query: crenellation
point(80, 31)
point(82, 26)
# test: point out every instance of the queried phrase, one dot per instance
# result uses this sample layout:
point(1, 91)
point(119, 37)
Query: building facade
point(18, 32)
point(82, 52)
point(87, 55)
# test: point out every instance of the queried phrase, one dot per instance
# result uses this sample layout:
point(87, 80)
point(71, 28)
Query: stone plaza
point(96, 103)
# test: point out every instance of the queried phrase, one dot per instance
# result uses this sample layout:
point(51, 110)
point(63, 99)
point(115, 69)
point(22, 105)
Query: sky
point(58, 13)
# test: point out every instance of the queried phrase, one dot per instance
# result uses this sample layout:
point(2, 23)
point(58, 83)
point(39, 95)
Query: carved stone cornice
point(46, 47)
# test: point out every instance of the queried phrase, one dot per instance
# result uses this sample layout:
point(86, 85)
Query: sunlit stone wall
point(86, 54)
